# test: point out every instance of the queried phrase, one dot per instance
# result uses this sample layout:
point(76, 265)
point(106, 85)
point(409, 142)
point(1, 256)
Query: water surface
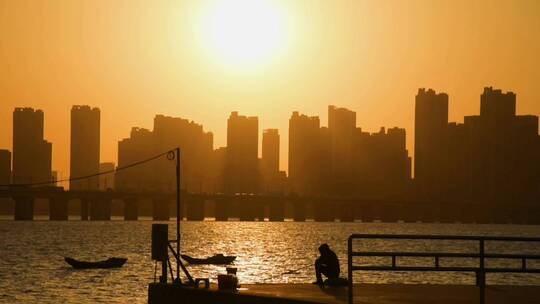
point(32, 267)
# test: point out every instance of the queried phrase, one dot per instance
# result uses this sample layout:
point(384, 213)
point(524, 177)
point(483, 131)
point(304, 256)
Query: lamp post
point(178, 206)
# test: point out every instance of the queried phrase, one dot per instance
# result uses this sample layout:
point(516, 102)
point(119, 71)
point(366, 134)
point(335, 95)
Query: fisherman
point(327, 264)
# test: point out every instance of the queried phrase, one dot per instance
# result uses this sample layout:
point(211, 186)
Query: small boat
point(108, 263)
point(216, 259)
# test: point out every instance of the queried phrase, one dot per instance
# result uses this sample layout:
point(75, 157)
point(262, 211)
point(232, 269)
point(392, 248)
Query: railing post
point(349, 270)
point(481, 276)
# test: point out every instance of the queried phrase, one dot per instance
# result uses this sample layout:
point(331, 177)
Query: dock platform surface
point(363, 293)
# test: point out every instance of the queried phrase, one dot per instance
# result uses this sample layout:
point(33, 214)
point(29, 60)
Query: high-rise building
point(85, 143)
point(32, 154)
point(342, 126)
point(503, 150)
point(196, 148)
point(493, 157)
point(139, 146)
point(270, 150)
point(381, 164)
point(496, 105)
point(241, 164)
point(217, 169)
point(430, 142)
point(5, 167)
point(305, 154)
point(273, 180)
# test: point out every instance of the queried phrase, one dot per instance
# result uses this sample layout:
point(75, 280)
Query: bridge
point(96, 205)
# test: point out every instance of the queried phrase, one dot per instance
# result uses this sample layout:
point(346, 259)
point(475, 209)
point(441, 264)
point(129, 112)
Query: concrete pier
point(85, 207)
point(363, 293)
point(195, 209)
point(131, 209)
point(324, 211)
point(58, 209)
point(223, 207)
point(100, 210)
point(249, 209)
point(160, 210)
point(299, 211)
point(24, 208)
point(347, 212)
point(276, 210)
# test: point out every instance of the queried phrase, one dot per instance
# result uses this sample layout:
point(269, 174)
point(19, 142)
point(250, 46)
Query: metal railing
point(480, 255)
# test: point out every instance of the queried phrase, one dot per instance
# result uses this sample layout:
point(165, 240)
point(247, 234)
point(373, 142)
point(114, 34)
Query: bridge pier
point(58, 208)
point(249, 209)
point(85, 207)
point(445, 213)
point(195, 208)
point(24, 208)
point(408, 214)
point(347, 212)
point(324, 211)
point(299, 210)
point(160, 210)
point(276, 210)
point(223, 209)
point(131, 209)
point(389, 213)
point(100, 209)
point(366, 213)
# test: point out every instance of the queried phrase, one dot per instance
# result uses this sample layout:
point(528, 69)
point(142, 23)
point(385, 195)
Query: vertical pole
point(163, 278)
point(178, 213)
point(349, 270)
point(482, 274)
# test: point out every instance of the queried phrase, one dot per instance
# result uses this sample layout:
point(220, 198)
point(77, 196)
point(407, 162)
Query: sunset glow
point(242, 33)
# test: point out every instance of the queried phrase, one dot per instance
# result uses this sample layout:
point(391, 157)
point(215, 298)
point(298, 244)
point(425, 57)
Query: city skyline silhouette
point(322, 160)
point(363, 62)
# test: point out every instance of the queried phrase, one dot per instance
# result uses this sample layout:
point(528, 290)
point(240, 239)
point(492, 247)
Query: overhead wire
point(170, 155)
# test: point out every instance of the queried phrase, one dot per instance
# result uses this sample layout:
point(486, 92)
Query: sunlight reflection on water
point(32, 267)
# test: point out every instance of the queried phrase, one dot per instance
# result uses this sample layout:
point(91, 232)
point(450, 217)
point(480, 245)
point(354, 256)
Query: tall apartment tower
point(241, 165)
point(431, 123)
point(32, 154)
point(272, 180)
point(270, 150)
point(196, 148)
point(503, 150)
point(305, 148)
point(494, 104)
point(139, 145)
point(84, 156)
point(342, 128)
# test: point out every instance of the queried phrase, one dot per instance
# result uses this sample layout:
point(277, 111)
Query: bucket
point(227, 282)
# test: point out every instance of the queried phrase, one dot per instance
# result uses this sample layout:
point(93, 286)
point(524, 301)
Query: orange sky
point(134, 59)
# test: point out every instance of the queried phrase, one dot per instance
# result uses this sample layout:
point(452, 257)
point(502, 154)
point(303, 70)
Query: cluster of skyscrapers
point(492, 156)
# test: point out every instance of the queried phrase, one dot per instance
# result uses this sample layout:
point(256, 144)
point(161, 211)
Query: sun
point(243, 33)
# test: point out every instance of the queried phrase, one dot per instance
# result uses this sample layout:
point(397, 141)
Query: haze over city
point(133, 62)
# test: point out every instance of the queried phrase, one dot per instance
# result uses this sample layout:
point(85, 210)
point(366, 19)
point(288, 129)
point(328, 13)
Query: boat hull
point(215, 260)
point(109, 263)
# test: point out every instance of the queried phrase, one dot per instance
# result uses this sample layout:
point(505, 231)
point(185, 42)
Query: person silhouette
point(327, 264)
